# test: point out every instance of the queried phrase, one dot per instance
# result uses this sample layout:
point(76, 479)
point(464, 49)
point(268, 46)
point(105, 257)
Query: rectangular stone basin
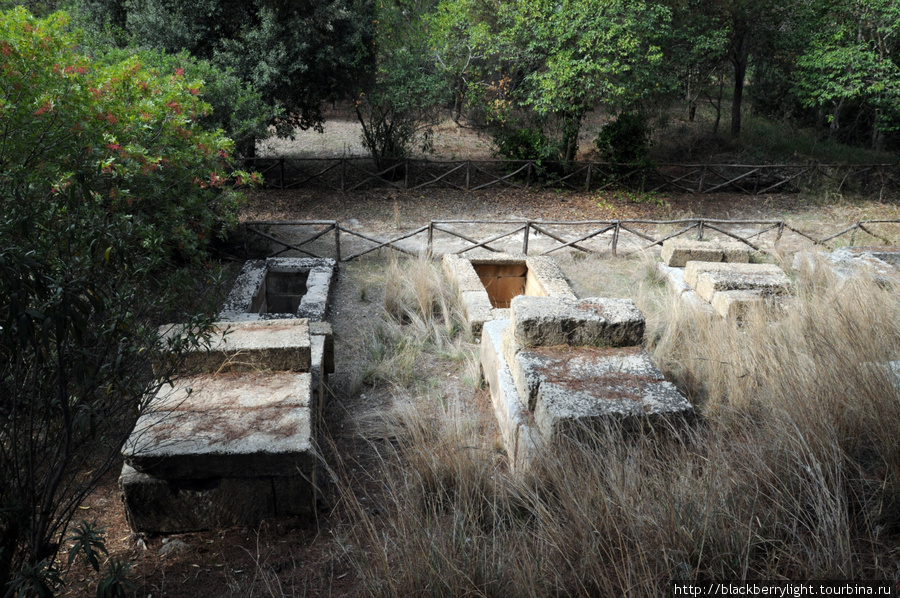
point(505, 281)
point(281, 288)
point(487, 284)
point(281, 292)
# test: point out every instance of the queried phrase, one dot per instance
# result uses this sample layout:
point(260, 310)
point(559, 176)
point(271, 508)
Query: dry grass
point(421, 317)
point(793, 470)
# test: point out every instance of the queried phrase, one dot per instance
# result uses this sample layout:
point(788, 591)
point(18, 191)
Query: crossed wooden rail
point(351, 173)
point(530, 227)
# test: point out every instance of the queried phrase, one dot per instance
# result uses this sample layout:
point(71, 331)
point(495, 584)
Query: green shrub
point(625, 140)
point(525, 143)
point(106, 175)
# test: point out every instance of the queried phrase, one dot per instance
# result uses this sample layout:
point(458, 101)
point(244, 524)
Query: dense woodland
point(527, 72)
point(123, 125)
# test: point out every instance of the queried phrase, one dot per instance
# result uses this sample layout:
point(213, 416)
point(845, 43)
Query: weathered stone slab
point(711, 282)
point(736, 305)
point(849, 262)
point(314, 304)
point(531, 367)
point(585, 387)
point(156, 505)
point(596, 321)
point(478, 309)
point(245, 289)
point(324, 330)
point(887, 254)
point(693, 270)
point(677, 252)
point(516, 425)
point(674, 278)
point(277, 345)
point(227, 426)
point(546, 279)
point(692, 299)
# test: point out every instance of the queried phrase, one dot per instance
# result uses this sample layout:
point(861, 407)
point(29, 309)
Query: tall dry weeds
point(422, 315)
point(792, 471)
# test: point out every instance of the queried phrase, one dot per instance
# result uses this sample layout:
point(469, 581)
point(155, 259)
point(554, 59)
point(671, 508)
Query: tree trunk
point(717, 105)
point(835, 123)
point(570, 136)
point(739, 56)
point(249, 152)
point(877, 139)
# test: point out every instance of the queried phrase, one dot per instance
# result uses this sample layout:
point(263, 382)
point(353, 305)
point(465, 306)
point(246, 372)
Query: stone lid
point(225, 425)
point(693, 269)
point(594, 321)
point(272, 345)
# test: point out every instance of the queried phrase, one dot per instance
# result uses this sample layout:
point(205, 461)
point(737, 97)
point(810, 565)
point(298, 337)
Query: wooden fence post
point(587, 182)
point(337, 241)
point(615, 239)
point(525, 240)
point(281, 170)
point(700, 230)
point(528, 175)
point(430, 238)
point(406, 174)
point(468, 171)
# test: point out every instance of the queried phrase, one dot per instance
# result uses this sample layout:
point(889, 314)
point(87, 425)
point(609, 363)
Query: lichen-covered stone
point(693, 270)
point(711, 282)
point(561, 412)
point(677, 252)
point(314, 303)
point(596, 321)
point(278, 345)
point(227, 426)
point(736, 305)
point(571, 387)
point(516, 424)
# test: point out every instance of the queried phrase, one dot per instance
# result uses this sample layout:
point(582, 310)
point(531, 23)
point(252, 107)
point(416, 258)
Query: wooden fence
point(645, 232)
point(352, 173)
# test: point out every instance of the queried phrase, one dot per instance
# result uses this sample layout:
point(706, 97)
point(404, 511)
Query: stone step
point(571, 388)
point(736, 305)
point(595, 321)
